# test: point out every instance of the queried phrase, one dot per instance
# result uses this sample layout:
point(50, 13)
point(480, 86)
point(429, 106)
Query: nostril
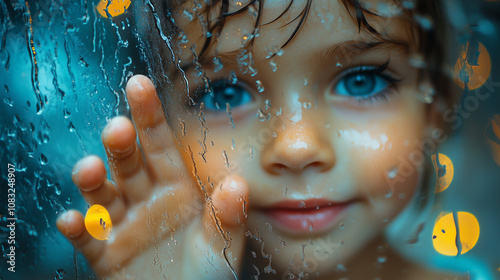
point(280, 169)
point(316, 165)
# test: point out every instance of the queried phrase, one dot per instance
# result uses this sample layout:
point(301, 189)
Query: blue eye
point(362, 84)
point(224, 92)
point(365, 83)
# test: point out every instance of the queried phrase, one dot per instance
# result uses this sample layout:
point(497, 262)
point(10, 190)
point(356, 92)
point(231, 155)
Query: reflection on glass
point(98, 222)
point(455, 233)
point(112, 8)
point(444, 171)
point(473, 67)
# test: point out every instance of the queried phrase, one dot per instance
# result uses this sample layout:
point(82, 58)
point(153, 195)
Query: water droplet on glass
point(280, 52)
point(341, 267)
point(381, 259)
point(424, 21)
point(408, 5)
point(341, 226)
point(269, 227)
point(57, 189)
point(282, 242)
point(8, 101)
point(307, 105)
point(306, 82)
point(393, 173)
point(273, 65)
point(42, 159)
point(232, 77)
point(267, 104)
point(60, 273)
point(429, 96)
point(252, 11)
point(339, 64)
point(417, 61)
point(33, 232)
point(263, 116)
point(302, 204)
point(66, 113)
point(188, 15)
point(71, 127)
point(260, 86)
point(217, 63)
point(226, 159)
point(183, 126)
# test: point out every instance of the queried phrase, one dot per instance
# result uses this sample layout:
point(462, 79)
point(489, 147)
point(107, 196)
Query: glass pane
point(349, 139)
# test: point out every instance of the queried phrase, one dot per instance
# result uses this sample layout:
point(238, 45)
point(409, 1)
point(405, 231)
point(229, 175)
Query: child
point(342, 91)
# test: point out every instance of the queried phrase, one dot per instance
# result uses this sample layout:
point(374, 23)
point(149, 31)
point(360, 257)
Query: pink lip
point(301, 216)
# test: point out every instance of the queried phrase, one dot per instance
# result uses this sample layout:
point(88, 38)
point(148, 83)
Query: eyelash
point(379, 71)
point(373, 70)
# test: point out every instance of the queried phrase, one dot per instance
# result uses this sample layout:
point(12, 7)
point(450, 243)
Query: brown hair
point(425, 18)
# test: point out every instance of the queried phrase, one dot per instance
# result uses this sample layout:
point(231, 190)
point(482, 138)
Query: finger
point(222, 236)
point(125, 160)
point(155, 137)
point(89, 174)
point(71, 225)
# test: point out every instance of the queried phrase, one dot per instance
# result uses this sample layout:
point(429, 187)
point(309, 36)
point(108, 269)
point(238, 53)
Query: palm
point(151, 198)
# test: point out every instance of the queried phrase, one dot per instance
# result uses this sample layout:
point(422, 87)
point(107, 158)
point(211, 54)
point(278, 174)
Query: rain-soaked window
point(252, 139)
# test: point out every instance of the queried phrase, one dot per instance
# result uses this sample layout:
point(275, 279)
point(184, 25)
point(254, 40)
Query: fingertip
point(70, 224)
point(144, 102)
point(139, 89)
point(89, 173)
point(119, 135)
point(232, 200)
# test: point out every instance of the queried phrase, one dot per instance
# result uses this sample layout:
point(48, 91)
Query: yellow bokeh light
point(494, 139)
point(98, 222)
point(115, 8)
point(444, 235)
point(477, 73)
point(444, 171)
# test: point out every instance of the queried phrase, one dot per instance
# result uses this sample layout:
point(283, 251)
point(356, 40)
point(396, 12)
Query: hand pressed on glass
point(149, 199)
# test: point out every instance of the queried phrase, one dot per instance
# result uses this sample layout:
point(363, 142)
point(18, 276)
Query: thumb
point(219, 236)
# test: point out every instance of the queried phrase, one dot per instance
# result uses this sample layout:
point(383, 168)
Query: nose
point(300, 147)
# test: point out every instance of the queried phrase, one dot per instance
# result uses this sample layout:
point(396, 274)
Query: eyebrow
point(355, 47)
point(345, 49)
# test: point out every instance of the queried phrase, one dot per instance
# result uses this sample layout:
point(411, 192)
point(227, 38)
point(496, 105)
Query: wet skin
point(322, 145)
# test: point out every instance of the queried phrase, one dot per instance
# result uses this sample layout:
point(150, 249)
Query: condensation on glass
point(248, 108)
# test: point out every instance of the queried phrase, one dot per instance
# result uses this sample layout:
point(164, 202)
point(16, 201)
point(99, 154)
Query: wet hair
point(424, 18)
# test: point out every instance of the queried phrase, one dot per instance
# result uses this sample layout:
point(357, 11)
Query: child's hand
point(153, 203)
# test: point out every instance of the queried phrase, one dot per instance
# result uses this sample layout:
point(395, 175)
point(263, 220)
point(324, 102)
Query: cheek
point(383, 157)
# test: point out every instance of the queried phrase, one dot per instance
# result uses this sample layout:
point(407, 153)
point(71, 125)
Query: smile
point(306, 216)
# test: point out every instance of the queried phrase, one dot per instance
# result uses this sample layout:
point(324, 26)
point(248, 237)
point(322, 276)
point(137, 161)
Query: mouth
point(306, 216)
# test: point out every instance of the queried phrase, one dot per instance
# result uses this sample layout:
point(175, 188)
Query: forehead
point(327, 22)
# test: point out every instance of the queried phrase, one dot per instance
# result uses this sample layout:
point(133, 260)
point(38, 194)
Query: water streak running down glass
point(258, 139)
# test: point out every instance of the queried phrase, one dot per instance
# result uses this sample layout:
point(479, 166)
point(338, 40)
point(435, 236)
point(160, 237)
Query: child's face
point(335, 132)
